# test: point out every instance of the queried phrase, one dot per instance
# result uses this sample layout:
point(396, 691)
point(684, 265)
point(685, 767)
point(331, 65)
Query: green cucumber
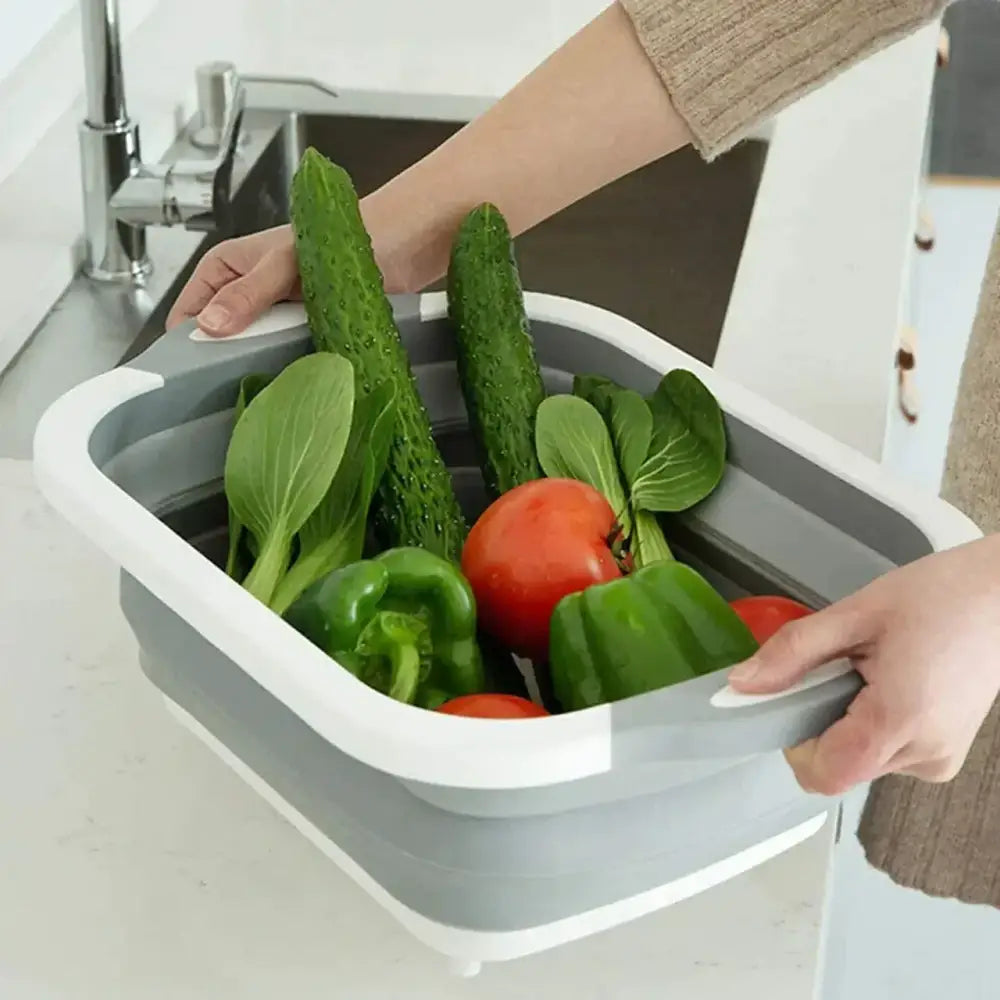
point(500, 377)
point(349, 313)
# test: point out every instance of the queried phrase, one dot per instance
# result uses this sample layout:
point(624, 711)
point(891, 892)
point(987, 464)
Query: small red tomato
point(493, 706)
point(765, 615)
point(534, 545)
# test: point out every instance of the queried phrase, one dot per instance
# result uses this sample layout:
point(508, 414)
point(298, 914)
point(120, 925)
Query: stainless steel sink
point(660, 246)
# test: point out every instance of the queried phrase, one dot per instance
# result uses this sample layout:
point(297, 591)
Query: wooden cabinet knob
point(943, 48)
point(907, 396)
point(925, 231)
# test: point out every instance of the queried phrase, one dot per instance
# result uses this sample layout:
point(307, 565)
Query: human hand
point(581, 133)
point(926, 639)
point(237, 281)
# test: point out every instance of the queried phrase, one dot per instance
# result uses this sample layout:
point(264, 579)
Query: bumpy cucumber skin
point(349, 312)
point(500, 377)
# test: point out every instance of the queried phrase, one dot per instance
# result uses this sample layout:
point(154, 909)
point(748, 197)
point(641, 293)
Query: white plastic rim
point(726, 697)
point(408, 742)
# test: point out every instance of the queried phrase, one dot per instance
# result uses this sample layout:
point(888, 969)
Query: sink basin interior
point(660, 246)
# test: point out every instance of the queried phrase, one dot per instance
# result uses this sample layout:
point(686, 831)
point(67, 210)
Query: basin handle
point(175, 355)
point(270, 342)
point(705, 718)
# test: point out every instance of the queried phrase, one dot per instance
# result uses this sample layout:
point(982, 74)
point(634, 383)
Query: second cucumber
point(500, 377)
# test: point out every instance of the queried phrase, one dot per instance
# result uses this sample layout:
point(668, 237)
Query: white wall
point(568, 16)
point(25, 24)
point(36, 91)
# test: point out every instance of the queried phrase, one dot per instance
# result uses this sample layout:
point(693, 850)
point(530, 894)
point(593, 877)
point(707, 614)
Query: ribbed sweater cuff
point(730, 64)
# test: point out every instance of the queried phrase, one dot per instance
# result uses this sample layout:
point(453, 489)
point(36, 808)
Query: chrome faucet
point(121, 194)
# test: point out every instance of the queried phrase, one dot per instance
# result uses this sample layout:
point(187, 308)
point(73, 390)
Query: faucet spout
point(104, 80)
point(109, 150)
point(122, 195)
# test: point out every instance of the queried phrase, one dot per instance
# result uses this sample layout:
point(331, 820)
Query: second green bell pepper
point(403, 622)
point(660, 625)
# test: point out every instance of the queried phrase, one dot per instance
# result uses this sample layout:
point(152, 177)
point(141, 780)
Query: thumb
point(797, 648)
point(237, 304)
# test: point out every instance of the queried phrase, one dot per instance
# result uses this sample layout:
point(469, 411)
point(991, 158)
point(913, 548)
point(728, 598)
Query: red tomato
point(534, 545)
point(765, 615)
point(493, 706)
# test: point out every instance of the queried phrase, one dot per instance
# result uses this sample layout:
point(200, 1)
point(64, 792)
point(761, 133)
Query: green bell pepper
point(661, 625)
point(403, 622)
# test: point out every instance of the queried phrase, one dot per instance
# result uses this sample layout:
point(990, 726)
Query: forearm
point(592, 112)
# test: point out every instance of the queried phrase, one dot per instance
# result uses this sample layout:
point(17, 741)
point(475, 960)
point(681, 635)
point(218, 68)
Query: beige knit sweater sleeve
point(728, 65)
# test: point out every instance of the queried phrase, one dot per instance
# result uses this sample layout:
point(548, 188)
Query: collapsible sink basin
point(488, 839)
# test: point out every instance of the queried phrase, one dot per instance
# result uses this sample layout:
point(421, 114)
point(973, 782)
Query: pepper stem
point(405, 660)
point(617, 541)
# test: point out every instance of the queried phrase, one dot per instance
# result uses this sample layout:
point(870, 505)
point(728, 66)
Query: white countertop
point(132, 862)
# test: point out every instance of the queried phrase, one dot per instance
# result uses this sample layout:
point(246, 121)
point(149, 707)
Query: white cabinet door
point(946, 284)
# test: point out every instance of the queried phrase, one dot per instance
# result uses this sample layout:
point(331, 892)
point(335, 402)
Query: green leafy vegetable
point(595, 389)
point(283, 454)
point(687, 456)
point(670, 449)
point(627, 415)
point(334, 533)
point(631, 430)
point(630, 420)
point(573, 443)
point(250, 386)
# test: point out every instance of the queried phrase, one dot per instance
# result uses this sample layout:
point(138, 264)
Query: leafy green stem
point(626, 520)
point(309, 567)
point(650, 544)
point(334, 533)
point(271, 563)
point(233, 555)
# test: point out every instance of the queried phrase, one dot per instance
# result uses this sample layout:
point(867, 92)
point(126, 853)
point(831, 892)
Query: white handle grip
point(283, 316)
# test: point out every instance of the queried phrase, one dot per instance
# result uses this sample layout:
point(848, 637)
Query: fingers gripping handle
point(704, 718)
point(280, 317)
point(275, 338)
point(201, 375)
point(186, 347)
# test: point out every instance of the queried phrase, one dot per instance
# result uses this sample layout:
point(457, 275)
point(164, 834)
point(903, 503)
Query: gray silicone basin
point(777, 524)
